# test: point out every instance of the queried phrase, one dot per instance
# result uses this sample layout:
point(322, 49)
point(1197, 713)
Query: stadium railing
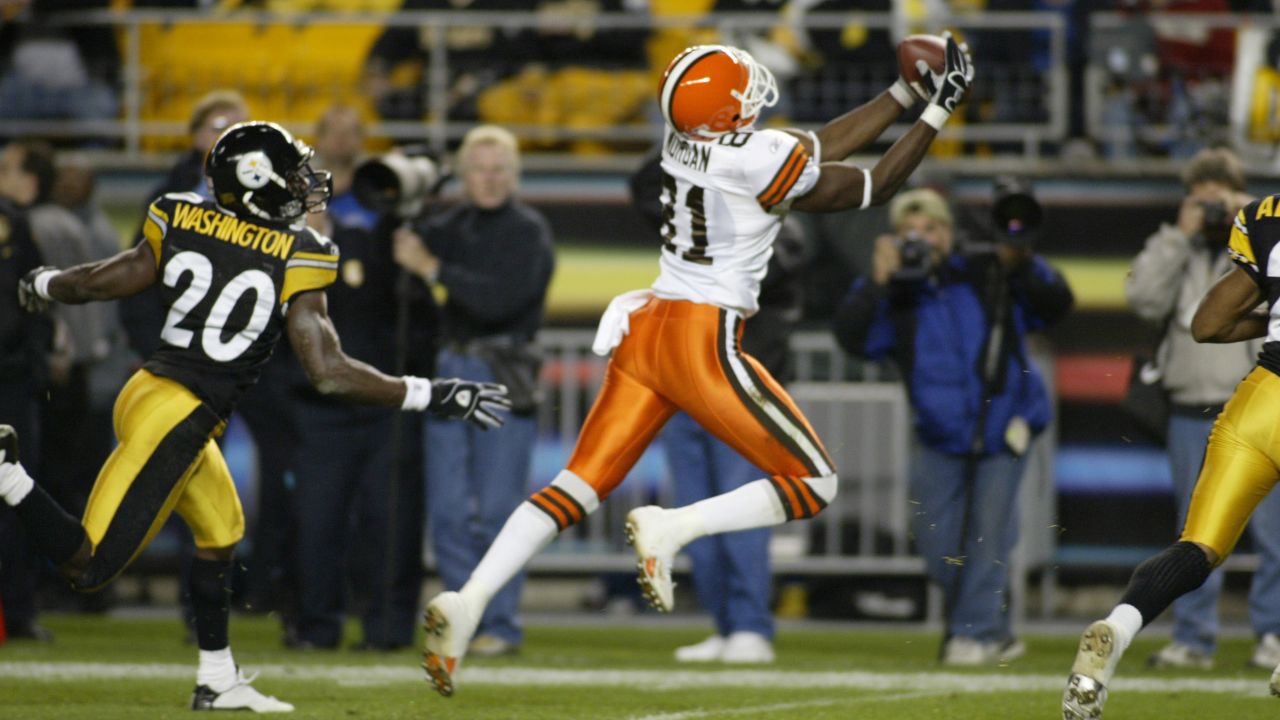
point(282, 65)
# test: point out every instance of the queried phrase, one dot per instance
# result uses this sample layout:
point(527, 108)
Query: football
point(930, 48)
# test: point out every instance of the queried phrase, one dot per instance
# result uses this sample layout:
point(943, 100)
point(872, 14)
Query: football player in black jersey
point(1241, 462)
point(233, 273)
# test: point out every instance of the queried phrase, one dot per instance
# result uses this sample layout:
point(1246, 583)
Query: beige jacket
point(1166, 283)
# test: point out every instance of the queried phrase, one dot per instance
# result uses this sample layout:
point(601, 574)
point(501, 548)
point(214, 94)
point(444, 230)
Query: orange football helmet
point(710, 90)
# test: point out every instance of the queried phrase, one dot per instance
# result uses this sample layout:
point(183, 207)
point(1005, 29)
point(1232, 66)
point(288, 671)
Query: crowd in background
point(1160, 88)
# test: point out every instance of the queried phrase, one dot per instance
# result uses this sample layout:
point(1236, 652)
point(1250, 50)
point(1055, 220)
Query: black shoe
point(8, 444)
point(30, 631)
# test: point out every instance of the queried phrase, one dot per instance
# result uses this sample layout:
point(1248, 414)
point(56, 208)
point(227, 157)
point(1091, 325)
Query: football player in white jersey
point(726, 187)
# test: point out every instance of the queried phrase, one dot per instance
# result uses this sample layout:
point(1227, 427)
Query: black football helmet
point(261, 169)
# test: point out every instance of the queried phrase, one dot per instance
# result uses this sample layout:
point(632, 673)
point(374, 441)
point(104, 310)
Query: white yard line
point(761, 709)
point(651, 680)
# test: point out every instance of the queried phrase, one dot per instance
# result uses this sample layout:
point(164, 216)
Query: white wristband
point(41, 283)
point(902, 93)
point(935, 116)
point(866, 189)
point(417, 393)
point(817, 146)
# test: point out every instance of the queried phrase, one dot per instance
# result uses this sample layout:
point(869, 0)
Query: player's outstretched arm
point(334, 373)
point(122, 275)
point(842, 186)
point(1226, 314)
point(859, 127)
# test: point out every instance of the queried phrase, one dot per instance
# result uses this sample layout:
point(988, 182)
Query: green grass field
point(137, 668)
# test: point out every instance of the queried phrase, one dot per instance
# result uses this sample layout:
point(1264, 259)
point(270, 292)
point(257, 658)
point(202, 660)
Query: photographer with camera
point(1175, 269)
point(955, 320)
point(494, 256)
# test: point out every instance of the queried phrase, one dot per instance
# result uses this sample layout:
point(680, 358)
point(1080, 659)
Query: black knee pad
point(1161, 579)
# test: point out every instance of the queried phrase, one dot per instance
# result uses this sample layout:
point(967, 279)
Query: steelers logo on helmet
point(710, 90)
point(254, 169)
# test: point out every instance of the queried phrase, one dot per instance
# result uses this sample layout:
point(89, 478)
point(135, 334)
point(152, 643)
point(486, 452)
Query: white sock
point(751, 506)
point(217, 670)
point(14, 481)
point(1128, 622)
point(526, 532)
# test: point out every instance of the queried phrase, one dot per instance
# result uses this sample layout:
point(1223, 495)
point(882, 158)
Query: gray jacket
point(1166, 283)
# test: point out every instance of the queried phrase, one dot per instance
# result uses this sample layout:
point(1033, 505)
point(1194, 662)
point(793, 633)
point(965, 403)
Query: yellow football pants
point(166, 461)
point(1240, 464)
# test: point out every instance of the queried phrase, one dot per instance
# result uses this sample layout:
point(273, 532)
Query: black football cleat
point(8, 444)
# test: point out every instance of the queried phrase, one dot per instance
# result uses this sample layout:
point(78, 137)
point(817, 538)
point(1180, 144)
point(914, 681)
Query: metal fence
point(866, 428)
point(289, 62)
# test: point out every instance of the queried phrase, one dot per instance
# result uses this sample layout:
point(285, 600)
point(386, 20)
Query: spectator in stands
point(358, 507)
point(25, 341)
point(978, 400)
point(494, 256)
point(1178, 265)
point(56, 72)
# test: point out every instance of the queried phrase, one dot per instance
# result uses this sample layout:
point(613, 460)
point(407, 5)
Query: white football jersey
point(723, 202)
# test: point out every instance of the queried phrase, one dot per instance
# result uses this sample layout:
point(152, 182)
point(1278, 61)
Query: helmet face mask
point(711, 90)
point(260, 169)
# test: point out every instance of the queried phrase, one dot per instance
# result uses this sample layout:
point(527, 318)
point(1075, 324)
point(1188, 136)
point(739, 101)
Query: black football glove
point(478, 402)
point(27, 296)
point(952, 84)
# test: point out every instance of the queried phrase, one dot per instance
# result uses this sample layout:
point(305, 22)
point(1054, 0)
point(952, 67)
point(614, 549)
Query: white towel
point(616, 322)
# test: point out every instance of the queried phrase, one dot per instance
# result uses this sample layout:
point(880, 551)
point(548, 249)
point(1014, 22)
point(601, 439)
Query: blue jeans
point(475, 479)
point(1195, 615)
point(979, 609)
point(730, 571)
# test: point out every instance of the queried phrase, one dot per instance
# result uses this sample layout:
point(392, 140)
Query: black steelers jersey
point(1254, 236)
point(226, 282)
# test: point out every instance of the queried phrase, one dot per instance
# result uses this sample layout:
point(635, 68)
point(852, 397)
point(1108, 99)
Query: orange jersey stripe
point(786, 178)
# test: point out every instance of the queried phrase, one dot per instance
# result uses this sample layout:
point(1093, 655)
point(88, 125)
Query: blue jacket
point(937, 330)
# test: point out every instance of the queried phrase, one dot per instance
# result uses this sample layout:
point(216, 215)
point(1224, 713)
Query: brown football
point(929, 48)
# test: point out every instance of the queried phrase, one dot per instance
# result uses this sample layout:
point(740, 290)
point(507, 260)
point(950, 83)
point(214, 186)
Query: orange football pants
point(681, 355)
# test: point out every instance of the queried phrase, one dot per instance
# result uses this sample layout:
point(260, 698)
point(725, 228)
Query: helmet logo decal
point(254, 169)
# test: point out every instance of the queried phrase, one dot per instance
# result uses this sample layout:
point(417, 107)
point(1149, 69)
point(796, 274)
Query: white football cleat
point(1182, 656)
point(708, 650)
point(449, 624)
point(646, 531)
point(1096, 662)
point(1275, 681)
point(1267, 652)
point(240, 696)
point(747, 647)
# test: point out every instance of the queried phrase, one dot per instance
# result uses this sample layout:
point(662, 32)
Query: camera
point(1215, 214)
point(1015, 212)
point(1215, 227)
point(398, 182)
point(916, 258)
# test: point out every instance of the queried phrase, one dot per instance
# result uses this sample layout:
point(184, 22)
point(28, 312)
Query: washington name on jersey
point(1254, 237)
point(226, 282)
point(723, 201)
